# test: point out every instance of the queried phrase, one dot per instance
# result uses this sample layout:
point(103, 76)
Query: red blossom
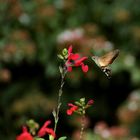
point(45, 130)
point(72, 108)
point(75, 60)
point(90, 102)
point(25, 135)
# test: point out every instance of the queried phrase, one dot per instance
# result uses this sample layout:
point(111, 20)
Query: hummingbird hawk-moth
point(104, 61)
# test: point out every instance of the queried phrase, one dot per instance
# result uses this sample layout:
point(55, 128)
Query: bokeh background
point(33, 32)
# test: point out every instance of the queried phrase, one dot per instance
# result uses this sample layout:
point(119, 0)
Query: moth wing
point(108, 58)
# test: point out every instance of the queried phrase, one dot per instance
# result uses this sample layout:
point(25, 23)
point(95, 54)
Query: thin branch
point(82, 127)
point(59, 103)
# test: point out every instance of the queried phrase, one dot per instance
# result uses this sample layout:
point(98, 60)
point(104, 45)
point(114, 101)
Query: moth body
point(104, 61)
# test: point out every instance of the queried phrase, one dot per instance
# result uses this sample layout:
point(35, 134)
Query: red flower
point(72, 108)
point(75, 60)
point(45, 130)
point(25, 135)
point(90, 102)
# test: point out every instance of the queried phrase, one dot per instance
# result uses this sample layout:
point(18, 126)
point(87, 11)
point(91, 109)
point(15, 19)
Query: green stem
point(56, 117)
point(82, 127)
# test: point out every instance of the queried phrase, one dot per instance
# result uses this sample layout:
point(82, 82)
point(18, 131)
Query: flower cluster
point(25, 135)
point(45, 130)
point(72, 109)
point(73, 60)
point(79, 107)
point(70, 60)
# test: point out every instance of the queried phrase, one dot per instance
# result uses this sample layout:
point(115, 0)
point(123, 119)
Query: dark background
point(33, 32)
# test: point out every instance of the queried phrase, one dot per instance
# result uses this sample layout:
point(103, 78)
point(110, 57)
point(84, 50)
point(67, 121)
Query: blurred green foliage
point(33, 32)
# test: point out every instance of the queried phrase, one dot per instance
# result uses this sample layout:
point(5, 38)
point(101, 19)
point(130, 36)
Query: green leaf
point(62, 138)
point(54, 113)
point(82, 100)
point(60, 56)
point(60, 69)
point(77, 103)
point(65, 51)
point(66, 56)
point(39, 139)
point(51, 137)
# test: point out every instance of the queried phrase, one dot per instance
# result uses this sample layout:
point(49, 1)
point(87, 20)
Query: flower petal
point(90, 102)
point(69, 112)
point(74, 56)
point(70, 104)
point(25, 135)
point(70, 50)
point(46, 123)
point(50, 131)
point(84, 68)
point(79, 61)
point(69, 68)
point(72, 108)
point(45, 130)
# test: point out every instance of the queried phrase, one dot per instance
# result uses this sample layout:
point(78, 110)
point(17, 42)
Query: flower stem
point(82, 127)
point(59, 103)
